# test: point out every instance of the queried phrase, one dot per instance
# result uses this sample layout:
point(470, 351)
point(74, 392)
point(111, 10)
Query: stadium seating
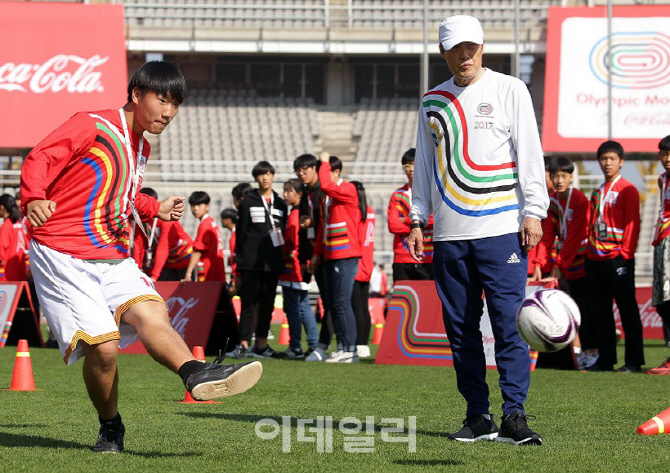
point(219, 135)
point(402, 14)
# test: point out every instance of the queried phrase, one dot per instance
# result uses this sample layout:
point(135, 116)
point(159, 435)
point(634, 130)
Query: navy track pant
point(498, 267)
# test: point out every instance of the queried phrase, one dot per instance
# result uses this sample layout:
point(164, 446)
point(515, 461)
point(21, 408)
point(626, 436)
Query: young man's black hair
point(262, 167)
point(610, 146)
point(335, 163)
point(408, 157)
point(240, 189)
point(561, 164)
point(150, 192)
point(9, 203)
point(664, 144)
point(305, 160)
point(229, 213)
point(198, 197)
point(161, 78)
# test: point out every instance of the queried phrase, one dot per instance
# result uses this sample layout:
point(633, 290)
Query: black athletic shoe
point(476, 427)
point(629, 369)
point(110, 438)
point(597, 366)
point(215, 381)
point(514, 429)
point(262, 353)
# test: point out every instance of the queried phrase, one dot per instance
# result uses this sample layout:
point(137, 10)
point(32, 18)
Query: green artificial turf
point(588, 421)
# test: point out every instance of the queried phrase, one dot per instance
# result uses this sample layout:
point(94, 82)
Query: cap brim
point(447, 44)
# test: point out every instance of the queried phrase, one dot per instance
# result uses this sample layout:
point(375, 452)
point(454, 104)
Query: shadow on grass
point(429, 462)
point(10, 440)
point(252, 418)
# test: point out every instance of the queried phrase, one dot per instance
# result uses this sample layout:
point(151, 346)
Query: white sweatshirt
point(479, 162)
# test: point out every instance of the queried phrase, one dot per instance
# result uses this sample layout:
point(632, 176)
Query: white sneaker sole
point(240, 381)
point(526, 441)
point(489, 437)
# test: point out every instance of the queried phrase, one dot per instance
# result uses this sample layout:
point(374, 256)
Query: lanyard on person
point(267, 209)
point(602, 226)
point(135, 170)
point(276, 234)
point(665, 183)
point(564, 216)
point(603, 198)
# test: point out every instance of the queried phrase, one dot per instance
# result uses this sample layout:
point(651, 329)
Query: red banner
point(191, 307)
point(414, 332)
point(56, 60)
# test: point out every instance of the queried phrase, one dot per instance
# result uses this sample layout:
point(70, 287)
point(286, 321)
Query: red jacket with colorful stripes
point(663, 223)
point(572, 245)
point(622, 218)
point(83, 167)
point(366, 234)
point(337, 236)
point(398, 223)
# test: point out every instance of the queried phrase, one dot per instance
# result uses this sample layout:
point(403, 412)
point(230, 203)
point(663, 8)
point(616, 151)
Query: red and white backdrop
point(56, 60)
point(576, 81)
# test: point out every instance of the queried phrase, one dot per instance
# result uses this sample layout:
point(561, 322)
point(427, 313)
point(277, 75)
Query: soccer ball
point(548, 320)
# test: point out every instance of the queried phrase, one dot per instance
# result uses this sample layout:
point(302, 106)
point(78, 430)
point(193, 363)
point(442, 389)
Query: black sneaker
point(476, 427)
point(215, 381)
point(514, 429)
point(262, 353)
point(597, 366)
point(110, 438)
point(629, 369)
point(292, 353)
point(240, 352)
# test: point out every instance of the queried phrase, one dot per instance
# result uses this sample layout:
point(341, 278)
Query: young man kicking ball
point(80, 185)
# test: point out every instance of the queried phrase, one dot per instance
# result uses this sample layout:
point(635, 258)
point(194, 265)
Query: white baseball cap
point(460, 29)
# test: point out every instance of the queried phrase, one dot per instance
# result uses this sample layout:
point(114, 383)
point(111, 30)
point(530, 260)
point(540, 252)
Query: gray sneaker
point(476, 427)
point(239, 353)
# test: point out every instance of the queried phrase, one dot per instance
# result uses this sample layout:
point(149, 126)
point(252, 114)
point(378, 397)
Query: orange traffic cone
point(659, 424)
point(283, 333)
point(377, 336)
point(22, 378)
point(198, 354)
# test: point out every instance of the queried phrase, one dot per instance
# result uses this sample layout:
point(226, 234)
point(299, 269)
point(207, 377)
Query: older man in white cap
point(480, 170)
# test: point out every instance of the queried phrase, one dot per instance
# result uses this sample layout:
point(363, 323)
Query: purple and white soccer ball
point(548, 320)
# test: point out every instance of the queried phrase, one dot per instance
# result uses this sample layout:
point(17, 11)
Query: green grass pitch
point(588, 421)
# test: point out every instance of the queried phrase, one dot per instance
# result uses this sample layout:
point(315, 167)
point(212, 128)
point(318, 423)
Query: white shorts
point(84, 300)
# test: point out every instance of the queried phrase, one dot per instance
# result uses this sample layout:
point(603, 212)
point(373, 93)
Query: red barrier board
point(57, 59)
point(414, 332)
point(191, 307)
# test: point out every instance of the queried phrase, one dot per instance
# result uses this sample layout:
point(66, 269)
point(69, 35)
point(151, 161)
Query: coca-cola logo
point(178, 308)
point(63, 72)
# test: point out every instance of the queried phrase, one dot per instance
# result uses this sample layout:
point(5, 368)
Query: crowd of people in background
point(326, 233)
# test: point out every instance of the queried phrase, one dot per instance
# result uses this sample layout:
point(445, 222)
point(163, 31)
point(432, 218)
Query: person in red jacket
point(614, 227)
point(566, 229)
point(13, 247)
point(361, 293)
point(207, 246)
point(165, 255)
point(80, 187)
point(404, 266)
point(660, 297)
point(295, 281)
point(339, 249)
point(228, 222)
